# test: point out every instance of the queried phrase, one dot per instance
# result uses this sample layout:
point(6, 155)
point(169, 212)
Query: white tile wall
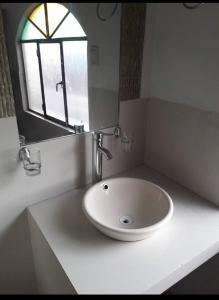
point(132, 122)
point(183, 143)
point(66, 163)
point(180, 68)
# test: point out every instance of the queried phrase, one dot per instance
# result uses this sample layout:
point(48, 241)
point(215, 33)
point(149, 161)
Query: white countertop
point(97, 264)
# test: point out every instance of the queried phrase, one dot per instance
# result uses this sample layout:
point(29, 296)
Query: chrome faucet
point(99, 151)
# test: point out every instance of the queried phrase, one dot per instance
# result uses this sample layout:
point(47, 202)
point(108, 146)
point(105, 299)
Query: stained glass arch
point(51, 21)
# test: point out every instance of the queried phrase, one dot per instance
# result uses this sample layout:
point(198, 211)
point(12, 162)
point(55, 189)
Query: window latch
point(57, 84)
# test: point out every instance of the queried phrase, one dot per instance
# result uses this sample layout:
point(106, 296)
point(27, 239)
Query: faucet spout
point(105, 152)
point(98, 152)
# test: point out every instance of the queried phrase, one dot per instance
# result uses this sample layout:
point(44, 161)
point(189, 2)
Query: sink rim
point(128, 230)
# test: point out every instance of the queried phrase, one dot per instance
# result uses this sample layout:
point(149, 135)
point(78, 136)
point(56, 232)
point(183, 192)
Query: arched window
point(54, 48)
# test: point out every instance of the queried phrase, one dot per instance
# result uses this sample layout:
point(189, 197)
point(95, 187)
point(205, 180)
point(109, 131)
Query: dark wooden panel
point(131, 49)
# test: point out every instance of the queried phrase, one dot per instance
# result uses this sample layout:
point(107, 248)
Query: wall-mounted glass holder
point(127, 141)
point(31, 160)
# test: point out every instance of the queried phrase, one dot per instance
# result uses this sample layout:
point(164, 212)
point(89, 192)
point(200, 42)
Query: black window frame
point(48, 39)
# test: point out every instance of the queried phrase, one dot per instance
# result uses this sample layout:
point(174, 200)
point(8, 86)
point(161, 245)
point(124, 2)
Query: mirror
point(53, 59)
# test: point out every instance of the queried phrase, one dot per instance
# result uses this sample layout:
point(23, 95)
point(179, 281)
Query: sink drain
point(126, 220)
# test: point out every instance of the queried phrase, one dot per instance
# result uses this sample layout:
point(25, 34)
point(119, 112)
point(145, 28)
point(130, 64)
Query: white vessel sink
point(127, 209)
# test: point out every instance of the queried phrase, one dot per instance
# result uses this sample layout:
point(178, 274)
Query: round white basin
point(127, 209)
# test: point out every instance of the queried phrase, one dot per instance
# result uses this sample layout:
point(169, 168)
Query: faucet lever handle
point(116, 133)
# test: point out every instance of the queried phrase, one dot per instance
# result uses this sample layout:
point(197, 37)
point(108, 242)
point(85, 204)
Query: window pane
point(69, 28)
point(75, 58)
point(30, 32)
point(32, 76)
point(38, 17)
point(56, 13)
point(51, 69)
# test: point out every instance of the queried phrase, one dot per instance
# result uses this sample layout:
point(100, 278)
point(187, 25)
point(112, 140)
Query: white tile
point(132, 122)
point(183, 143)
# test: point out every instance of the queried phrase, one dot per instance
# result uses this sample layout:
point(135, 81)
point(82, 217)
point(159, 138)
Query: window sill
point(49, 121)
